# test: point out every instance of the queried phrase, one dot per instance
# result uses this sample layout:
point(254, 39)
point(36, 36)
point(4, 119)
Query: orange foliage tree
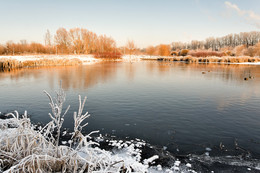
point(62, 41)
point(164, 50)
point(151, 50)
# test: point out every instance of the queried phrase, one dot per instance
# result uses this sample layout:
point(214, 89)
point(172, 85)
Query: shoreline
point(17, 62)
point(211, 59)
point(146, 156)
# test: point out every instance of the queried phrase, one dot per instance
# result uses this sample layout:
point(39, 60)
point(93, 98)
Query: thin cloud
point(249, 16)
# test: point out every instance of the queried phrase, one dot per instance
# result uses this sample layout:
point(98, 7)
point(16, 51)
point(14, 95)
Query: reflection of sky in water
point(165, 103)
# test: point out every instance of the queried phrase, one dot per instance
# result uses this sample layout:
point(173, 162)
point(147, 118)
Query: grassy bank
point(16, 62)
point(192, 59)
point(225, 59)
point(8, 64)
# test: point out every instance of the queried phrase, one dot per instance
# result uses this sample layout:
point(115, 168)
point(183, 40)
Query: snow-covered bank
point(90, 59)
point(131, 58)
point(249, 63)
point(213, 59)
point(85, 59)
point(124, 157)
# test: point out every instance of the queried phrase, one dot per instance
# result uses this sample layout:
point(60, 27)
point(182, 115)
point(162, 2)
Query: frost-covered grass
point(11, 62)
point(191, 59)
point(25, 149)
point(22, 58)
point(141, 57)
point(214, 59)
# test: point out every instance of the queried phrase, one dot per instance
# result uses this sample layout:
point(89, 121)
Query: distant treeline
point(231, 40)
point(83, 41)
point(244, 43)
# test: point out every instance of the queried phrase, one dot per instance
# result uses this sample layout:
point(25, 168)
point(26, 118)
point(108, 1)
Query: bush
point(2, 50)
point(174, 53)
point(257, 49)
point(184, 52)
point(250, 51)
point(240, 50)
point(206, 54)
point(228, 53)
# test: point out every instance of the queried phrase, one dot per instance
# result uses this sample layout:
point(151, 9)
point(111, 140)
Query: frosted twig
point(56, 108)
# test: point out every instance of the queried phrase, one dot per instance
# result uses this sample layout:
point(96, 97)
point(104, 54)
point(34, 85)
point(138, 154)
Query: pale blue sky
point(147, 22)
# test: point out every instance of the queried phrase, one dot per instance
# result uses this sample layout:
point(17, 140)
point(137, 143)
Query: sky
point(146, 22)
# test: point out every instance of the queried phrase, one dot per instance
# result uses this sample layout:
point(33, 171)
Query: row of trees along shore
point(83, 41)
point(244, 43)
point(73, 41)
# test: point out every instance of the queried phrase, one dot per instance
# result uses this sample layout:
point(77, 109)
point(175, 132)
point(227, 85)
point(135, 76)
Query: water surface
point(167, 104)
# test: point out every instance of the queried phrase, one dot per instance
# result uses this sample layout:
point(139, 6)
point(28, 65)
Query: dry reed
point(8, 64)
point(224, 59)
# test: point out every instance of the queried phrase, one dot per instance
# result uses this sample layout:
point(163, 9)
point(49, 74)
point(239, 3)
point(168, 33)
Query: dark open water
point(166, 104)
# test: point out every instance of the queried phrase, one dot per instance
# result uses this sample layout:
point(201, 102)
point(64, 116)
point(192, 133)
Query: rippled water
point(173, 105)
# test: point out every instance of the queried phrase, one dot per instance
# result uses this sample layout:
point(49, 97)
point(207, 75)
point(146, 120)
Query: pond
point(183, 108)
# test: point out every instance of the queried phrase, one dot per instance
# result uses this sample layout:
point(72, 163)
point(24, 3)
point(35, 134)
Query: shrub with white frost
point(24, 149)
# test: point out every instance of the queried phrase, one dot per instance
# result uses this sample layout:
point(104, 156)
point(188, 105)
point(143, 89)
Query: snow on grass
point(249, 63)
point(212, 59)
point(86, 59)
point(90, 59)
point(125, 157)
point(133, 58)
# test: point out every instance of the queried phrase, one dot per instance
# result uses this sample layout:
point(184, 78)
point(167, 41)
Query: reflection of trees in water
point(234, 73)
point(89, 75)
point(71, 76)
point(25, 73)
point(161, 68)
point(226, 72)
point(130, 69)
point(85, 76)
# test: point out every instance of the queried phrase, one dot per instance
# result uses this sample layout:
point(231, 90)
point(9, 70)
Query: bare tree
point(130, 46)
point(47, 38)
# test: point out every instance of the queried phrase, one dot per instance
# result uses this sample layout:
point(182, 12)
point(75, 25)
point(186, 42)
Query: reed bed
point(8, 63)
point(108, 55)
point(214, 59)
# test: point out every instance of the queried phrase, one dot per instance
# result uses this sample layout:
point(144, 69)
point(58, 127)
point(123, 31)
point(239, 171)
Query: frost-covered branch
point(56, 107)
point(78, 120)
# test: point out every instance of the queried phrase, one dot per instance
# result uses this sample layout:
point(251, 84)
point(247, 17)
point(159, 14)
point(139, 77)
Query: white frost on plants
point(126, 154)
point(188, 165)
point(151, 159)
point(64, 142)
point(177, 163)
